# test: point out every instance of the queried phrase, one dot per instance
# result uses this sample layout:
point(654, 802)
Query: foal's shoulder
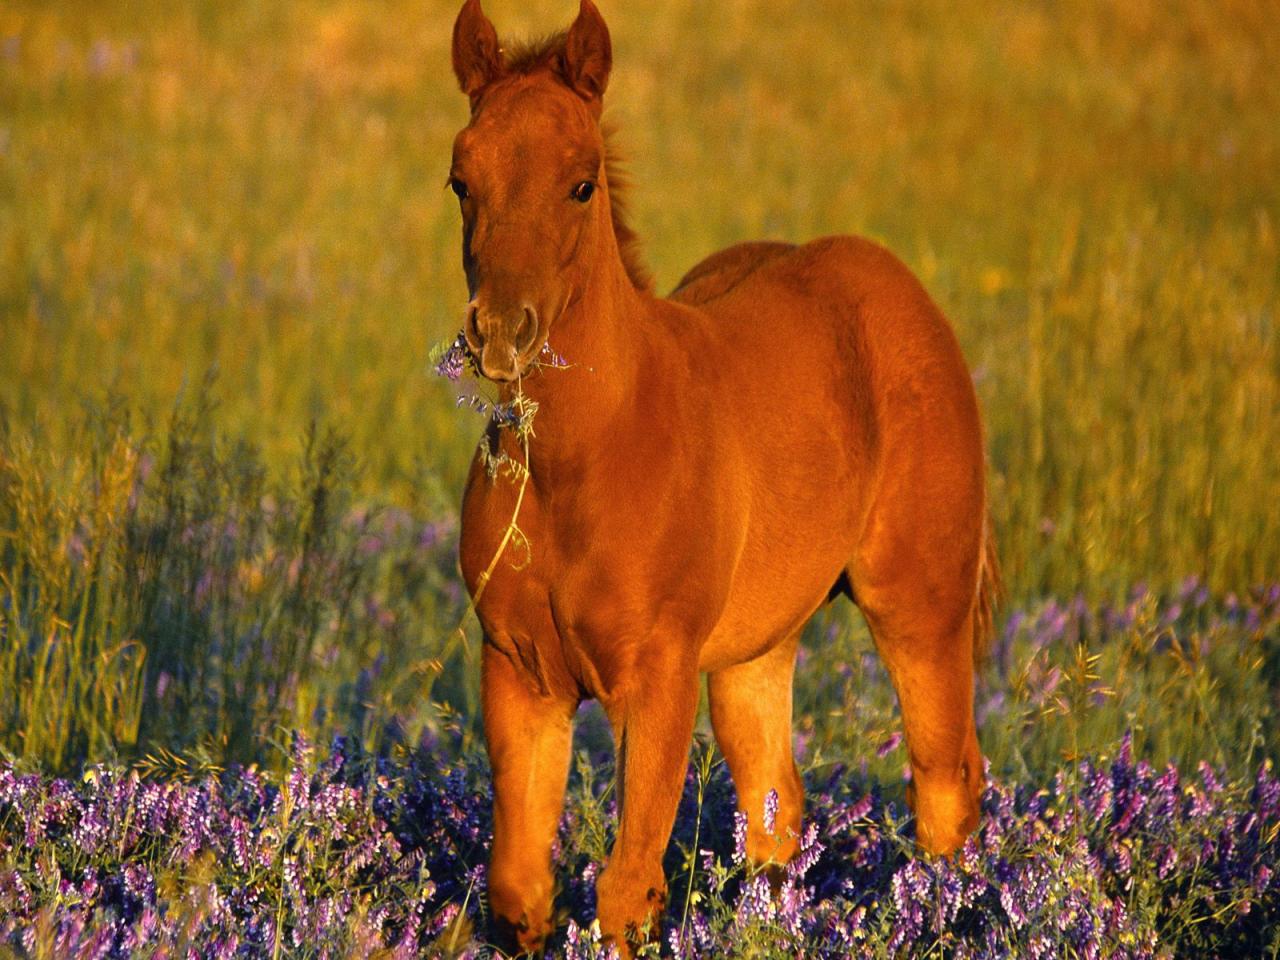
point(721, 272)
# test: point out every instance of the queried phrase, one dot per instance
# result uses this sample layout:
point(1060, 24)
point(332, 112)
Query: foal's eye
point(583, 191)
point(459, 188)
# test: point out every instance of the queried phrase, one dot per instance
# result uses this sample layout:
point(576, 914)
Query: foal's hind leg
point(916, 580)
point(751, 715)
point(930, 659)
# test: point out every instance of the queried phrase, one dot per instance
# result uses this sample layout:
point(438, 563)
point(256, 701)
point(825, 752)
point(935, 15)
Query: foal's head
point(529, 172)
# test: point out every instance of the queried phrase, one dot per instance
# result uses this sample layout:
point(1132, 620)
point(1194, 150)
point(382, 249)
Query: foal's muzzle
point(503, 344)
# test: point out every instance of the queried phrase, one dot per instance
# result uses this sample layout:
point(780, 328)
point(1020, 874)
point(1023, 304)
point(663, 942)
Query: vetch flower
point(739, 837)
point(889, 745)
point(770, 811)
point(453, 360)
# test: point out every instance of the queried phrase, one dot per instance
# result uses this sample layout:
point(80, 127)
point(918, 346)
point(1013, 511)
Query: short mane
point(532, 56)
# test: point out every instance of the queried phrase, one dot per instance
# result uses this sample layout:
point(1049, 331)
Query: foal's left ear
point(588, 54)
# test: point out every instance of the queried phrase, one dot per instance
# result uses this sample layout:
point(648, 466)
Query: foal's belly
point(742, 636)
point(802, 512)
point(773, 594)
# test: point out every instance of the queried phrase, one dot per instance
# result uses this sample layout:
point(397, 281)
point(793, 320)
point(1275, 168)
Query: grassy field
point(229, 481)
point(1088, 190)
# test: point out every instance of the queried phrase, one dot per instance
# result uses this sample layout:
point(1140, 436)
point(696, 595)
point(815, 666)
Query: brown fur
point(792, 423)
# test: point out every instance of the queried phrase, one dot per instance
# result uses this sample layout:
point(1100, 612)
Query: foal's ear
point(588, 55)
point(477, 59)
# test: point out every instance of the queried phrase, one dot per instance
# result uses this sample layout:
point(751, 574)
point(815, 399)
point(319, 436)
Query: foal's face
point(528, 171)
point(529, 174)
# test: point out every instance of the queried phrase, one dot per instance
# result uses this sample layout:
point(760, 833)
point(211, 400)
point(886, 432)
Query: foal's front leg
point(529, 736)
point(652, 718)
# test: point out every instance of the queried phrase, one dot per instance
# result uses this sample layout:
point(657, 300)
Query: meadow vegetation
point(229, 480)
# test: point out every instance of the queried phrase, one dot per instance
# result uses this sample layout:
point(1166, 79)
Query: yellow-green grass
point(1088, 189)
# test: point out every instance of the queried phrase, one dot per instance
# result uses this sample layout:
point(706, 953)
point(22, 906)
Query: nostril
point(471, 328)
point(528, 329)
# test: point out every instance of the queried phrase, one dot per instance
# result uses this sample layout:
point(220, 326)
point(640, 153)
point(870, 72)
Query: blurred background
point(229, 480)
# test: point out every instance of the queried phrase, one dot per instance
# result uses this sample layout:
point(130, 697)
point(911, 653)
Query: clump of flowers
point(1112, 858)
point(454, 359)
point(517, 415)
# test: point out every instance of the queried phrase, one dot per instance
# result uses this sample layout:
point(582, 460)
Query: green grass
point(1089, 192)
point(258, 190)
point(172, 596)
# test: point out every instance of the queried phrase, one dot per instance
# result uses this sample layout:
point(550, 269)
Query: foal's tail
point(990, 592)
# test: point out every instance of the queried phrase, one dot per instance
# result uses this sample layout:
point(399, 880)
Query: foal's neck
point(598, 338)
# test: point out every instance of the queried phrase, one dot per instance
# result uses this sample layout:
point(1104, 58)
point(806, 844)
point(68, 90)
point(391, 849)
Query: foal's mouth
point(503, 363)
point(509, 370)
point(500, 344)
point(510, 352)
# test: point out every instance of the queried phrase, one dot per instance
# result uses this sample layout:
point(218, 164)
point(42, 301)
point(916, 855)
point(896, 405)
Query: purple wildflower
point(889, 744)
point(548, 357)
point(453, 361)
point(739, 837)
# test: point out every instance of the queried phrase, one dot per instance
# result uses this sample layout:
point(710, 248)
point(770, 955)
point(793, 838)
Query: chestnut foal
point(708, 470)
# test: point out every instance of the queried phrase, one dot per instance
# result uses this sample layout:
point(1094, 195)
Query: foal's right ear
point(477, 58)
